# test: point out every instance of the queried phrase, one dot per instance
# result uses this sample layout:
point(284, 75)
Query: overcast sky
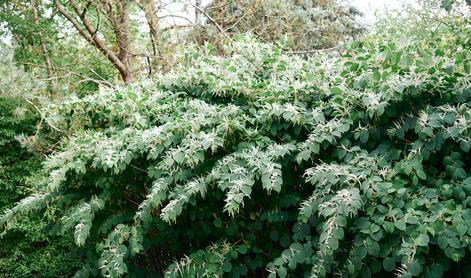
point(372, 5)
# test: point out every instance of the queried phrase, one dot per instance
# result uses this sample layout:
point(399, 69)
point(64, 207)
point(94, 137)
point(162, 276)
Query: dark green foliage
point(14, 120)
point(26, 248)
point(265, 164)
point(27, 251)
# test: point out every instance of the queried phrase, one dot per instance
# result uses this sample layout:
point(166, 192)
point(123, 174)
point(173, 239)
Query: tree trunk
point(124, 42)
point(122, 59)
point(42, 43)
point(150, 11)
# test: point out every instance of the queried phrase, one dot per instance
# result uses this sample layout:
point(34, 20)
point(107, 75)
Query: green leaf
point(179, 157)
point(436, 271)
point(374, 249)
point(410, 219)
point(376, 75)
point(365, 272)
point(227, 266)
point(442, 242)
point(421, 174)
point(284, 241)
point(465, 146)
point(447, 5)
point(422, 240)
point(388, 227)
point(414, 268)
point(389, 264)
point(461, 228)
point(217, 222)
point(364, 136)
point(400, 225)
point(282, 272)
point(341, 220)
point(454, 242)
point(467, 186)
point(354, 66)
point(274, 235)
point(242, 249)
point(335, 90)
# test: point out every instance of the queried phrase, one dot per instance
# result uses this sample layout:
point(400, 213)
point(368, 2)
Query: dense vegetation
point(49, 60)
point(27, 250)
point(249, 156)
point(263, 163)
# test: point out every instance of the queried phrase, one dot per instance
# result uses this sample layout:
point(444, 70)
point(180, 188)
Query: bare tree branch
point(210, 19)
point(120, 60)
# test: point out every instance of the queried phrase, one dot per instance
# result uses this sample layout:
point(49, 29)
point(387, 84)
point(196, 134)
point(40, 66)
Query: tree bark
point(124, 42)
point(42, 43)
point(121, 60)
point(150, 12)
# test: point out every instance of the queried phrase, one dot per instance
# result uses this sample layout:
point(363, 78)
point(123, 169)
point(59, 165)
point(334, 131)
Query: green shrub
point(265, 164)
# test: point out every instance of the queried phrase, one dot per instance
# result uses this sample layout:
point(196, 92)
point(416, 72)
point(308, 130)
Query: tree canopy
point(133, 38)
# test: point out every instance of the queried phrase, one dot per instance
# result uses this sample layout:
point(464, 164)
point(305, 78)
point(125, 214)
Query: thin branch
point(90, 34)
point(165, 29)
point(176, 16)
point(211, 19)
point(42, 115)
point(313, 50)
point(70, 72)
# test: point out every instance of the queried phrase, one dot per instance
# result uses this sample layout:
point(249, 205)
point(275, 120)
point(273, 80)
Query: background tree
point(117, 15)
point(308, 24)
point(45, 47)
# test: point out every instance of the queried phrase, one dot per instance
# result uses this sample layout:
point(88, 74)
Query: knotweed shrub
point(268, 164)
